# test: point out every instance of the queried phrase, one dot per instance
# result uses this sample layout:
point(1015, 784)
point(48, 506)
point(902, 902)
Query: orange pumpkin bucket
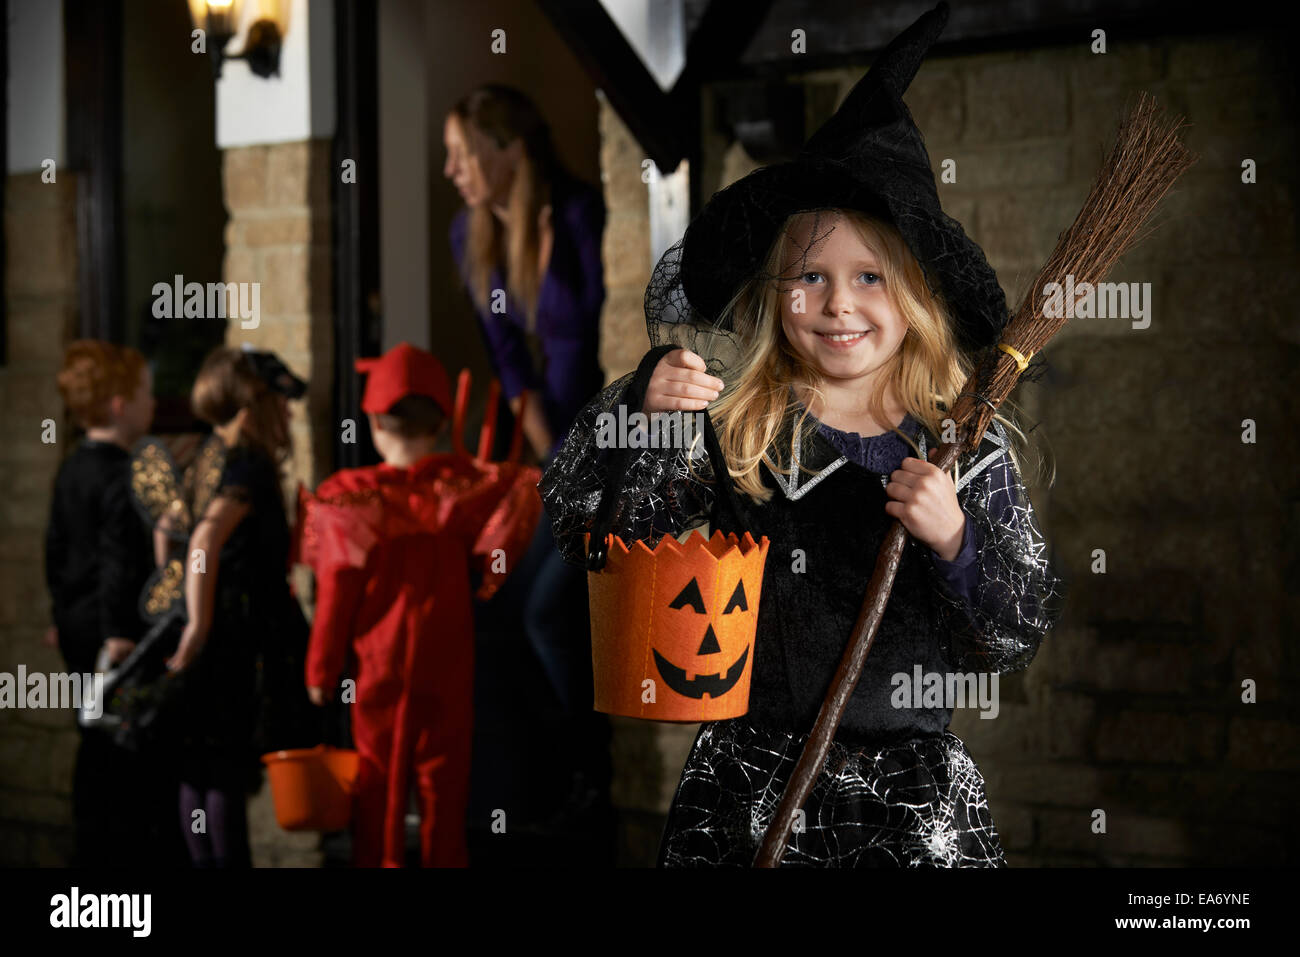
point(312, 788)
point(672, 629)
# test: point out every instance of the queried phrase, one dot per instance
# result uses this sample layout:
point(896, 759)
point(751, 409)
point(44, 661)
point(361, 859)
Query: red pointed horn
point(489, 431)
point(458, 416)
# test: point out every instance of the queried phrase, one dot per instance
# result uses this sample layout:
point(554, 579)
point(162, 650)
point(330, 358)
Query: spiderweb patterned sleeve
point(1018, 595)
point(663, 492)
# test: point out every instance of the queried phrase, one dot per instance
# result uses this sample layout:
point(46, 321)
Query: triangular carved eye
point(690, 595)
point(737, 599)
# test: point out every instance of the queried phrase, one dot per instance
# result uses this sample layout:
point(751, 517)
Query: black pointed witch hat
point(868, 156)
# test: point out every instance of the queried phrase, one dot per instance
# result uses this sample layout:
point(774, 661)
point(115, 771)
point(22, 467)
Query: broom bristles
point(1142, 166)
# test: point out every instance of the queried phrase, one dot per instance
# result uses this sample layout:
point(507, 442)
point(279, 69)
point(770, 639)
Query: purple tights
point(225, 819)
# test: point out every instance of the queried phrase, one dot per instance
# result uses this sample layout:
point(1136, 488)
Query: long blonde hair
point(925, 373)
point(504, 114)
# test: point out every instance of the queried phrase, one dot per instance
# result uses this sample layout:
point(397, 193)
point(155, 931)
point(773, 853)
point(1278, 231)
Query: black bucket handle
point(726, 506)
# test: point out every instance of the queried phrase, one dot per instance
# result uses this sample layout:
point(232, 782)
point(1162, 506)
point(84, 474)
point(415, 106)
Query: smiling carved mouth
point(712, 685)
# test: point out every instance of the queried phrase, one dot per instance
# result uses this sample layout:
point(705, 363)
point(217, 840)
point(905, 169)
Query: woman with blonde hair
point(528, 246)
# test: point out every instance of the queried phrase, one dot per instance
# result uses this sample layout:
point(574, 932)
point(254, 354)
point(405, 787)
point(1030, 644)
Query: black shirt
point(809, 608)
point(97, 553)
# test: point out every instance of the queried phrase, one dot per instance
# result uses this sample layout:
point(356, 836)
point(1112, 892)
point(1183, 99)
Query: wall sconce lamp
point(219, 20)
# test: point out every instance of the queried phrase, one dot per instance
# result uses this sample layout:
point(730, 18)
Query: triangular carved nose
point(709, 646)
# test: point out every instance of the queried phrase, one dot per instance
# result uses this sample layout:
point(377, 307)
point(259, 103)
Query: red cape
point(382, 538)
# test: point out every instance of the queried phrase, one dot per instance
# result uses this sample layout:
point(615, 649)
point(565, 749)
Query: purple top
point(568, 311)
point(883, 454)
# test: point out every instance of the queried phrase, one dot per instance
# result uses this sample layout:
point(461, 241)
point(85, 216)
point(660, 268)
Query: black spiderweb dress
point(898, 788)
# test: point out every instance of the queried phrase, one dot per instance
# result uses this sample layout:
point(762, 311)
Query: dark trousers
point(556, 619)
point(123, 803)
point(123, 807)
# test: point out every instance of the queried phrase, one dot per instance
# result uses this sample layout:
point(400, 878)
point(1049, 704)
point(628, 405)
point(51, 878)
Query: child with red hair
point(97, 558)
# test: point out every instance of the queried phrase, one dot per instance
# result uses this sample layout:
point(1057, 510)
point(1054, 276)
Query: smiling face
point(673, 629)
point(481, 171)
point(711, 669)
point(837, 313)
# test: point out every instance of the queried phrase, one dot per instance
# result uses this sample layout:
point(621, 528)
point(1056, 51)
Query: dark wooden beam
point(724, 30)
point(4, 151)
point(846, 31)
point(720, 34)
point(618, 71)
point(666, 124)
point(93, 71)
point(357, 329)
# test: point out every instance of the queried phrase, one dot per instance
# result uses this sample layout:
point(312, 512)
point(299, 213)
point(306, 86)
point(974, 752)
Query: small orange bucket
point(672, 629)
point(313, 787)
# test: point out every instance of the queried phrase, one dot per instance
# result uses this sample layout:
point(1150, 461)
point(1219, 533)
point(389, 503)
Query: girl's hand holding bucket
point(681, 382)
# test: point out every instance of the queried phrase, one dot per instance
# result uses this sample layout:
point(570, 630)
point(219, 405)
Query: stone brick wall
point(37, 747)
point(626, 246)
point(1133, 706)
point(280, 235)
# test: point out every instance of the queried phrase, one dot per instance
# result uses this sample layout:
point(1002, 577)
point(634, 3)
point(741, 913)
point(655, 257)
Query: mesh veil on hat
point(869, 156)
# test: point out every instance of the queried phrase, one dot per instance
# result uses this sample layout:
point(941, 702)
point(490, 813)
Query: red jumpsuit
point(393, 549)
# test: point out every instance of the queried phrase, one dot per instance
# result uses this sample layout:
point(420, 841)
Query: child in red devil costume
point(394, 548)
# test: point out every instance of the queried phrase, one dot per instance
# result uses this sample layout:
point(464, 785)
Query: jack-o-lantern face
point(716, 683)
point(673, 628)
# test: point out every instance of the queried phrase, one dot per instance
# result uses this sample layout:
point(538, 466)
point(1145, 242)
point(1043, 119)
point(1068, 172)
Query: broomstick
point(1146, 160)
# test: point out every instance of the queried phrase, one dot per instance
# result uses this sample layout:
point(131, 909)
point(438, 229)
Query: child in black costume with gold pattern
point(241, 653)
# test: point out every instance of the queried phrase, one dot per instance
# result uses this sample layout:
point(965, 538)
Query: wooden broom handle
point(846, 678)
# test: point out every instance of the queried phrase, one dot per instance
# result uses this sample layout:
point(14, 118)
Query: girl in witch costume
point(828, 313)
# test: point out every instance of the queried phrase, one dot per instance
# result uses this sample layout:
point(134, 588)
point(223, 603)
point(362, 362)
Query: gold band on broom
point(1146, 160)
